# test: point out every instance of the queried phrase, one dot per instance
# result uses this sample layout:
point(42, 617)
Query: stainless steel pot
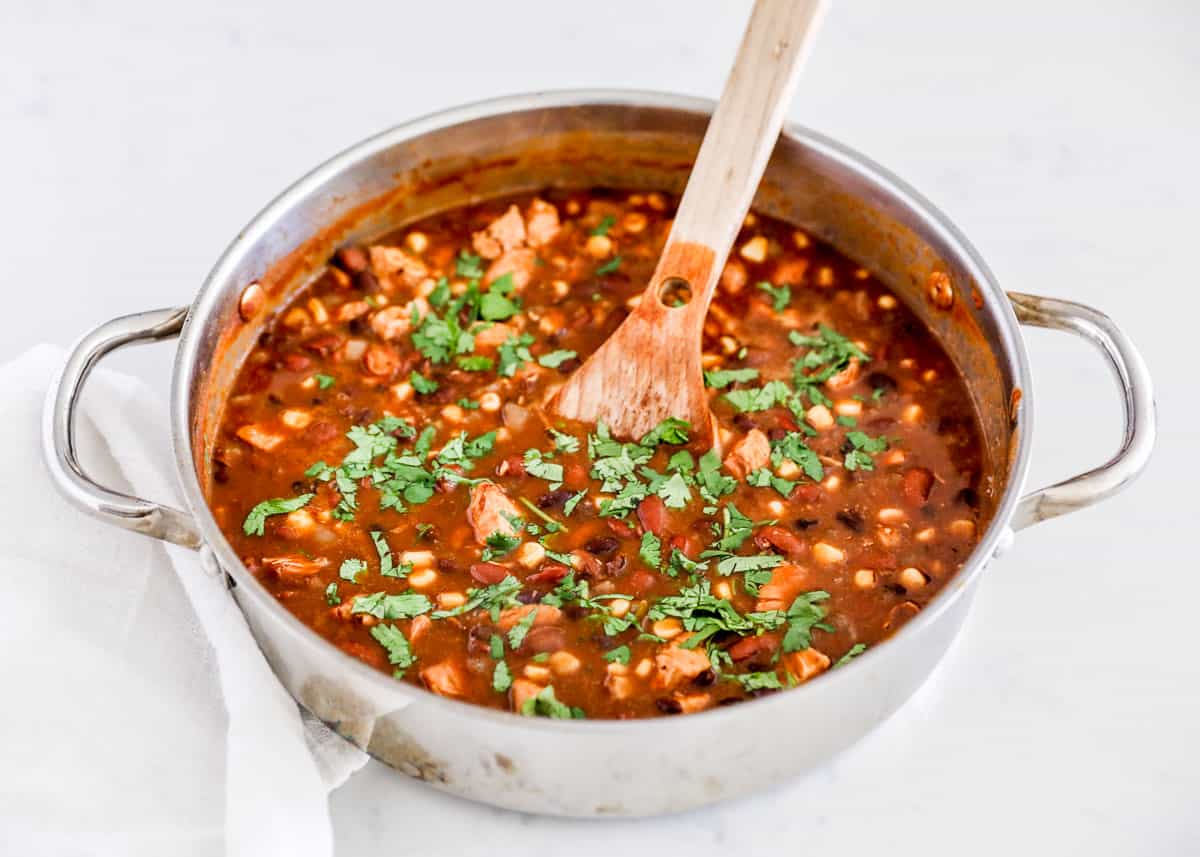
point(622, 139)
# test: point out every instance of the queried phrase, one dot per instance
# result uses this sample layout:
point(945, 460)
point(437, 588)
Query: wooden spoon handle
point(737, 144)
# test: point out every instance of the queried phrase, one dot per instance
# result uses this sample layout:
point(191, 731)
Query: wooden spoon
point(649, 369)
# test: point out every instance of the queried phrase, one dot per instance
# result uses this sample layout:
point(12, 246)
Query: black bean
point(367, 282)
point(881, 381)
point(705, 678)
point(554, 499)
point(852, 519)
point(357, 326)
point(569, 365)
point(745, 422)
point(805, 523)
point(299, 487)
point(968, 497)
point(668, 706)
point(847, 446)
point(602, 546)
point(528, 596)
point(729, 700)
point(448, 565)
point(221, 472)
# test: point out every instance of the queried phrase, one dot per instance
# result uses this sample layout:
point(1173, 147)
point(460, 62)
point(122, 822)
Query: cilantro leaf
point(422, 384)
point(331, 595)
point(494, 304)
point(606, 223)
point(501, 678)
point(805, 614)
point(475, 363)
point(546, 704)
point(759, 681)
point(781, 296)
point(516, 635)
point(651, 549)
point(381, 605)
point(792, 446)
point(720, 378)
point(609, 267)
point(324, 382)
point(494, 597)
point(855, 650)
point(671, 430)
point(759, 398)
point(556, 358)
point(619, 655)
point(514, 353)
point(255, 522)
point(400, 653)
point(351, 569)
point(468, 265)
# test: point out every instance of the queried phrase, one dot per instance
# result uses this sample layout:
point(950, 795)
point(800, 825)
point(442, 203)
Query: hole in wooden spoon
point(675, 292)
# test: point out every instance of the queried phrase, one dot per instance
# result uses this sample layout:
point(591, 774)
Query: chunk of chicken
point(391, 322)
point(294, 569)
point(396, 268)
point(487, 509)
point(845, 378)
point(444, 679)
point(520, 263)
point(504, 233)
point(541, 223)
point(787, 581)
point(806, 663)
point(748, 454)
point(546, 615)
point(259, 438)
point(674, 665)
point(522, 691)
point(494, 336)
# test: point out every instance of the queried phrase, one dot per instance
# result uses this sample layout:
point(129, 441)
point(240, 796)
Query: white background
point(137, 137)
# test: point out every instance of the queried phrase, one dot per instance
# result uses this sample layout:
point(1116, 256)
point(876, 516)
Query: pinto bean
point(488, 573)
point(784, 541)
point(918, 482)
point(549, 572)
point(602, 546)
point(750, 647)
point(652, 513)
point(548, 638)
point(352, 259)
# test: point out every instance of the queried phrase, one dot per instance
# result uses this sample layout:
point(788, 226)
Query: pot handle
point(1137, 399)
point(58, 431)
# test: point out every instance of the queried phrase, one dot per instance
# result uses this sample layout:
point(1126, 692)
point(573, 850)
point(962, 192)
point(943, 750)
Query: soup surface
point(385, 470)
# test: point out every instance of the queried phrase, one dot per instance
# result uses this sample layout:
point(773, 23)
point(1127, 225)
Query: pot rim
point(1011, 344)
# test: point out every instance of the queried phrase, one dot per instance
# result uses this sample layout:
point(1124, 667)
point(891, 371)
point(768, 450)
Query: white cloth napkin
point(137, 715)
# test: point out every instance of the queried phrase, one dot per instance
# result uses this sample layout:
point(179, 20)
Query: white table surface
point(137, 137)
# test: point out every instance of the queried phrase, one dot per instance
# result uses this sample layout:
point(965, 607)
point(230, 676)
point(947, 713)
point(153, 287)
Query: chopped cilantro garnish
point(720, 378)
point(855, 650)
point(494, 304)
point(536, 465)
point(670, 430)
point(546, 704)
point(331, 595)
point(422, 384)
point(381, 605)
point(564, 442)
point(763, 478)
point(400, 653)
point(514, 353)
point(606, 223)
point(325, 381)
point(864, 446)
point(501, 677)
point(493, 598)
point(619, 655)
point(556, 358)
point(255, 522)
point(849, 422)
point(499, 544)
point(651, 549)
point(351, 569)
point(608, 267)
point(475, 363)
point(516, 635)
point(468, 265)
point(759, 681)
point(387, 566)
point(803, 616)
point(793, 447)
point(569, 506)
point(759, 398)
point(781, 296)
